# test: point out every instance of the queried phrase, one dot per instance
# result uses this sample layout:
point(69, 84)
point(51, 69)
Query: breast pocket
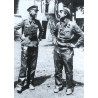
point(33, 27)
point(67, 34)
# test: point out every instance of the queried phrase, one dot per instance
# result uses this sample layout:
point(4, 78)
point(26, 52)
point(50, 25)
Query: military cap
point(33, 7)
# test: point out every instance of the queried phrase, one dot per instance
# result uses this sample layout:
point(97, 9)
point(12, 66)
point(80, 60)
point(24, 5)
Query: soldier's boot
point(57, 89)
point(69, 91)
point(20, 85)
point(31, 87)
point(19, 88)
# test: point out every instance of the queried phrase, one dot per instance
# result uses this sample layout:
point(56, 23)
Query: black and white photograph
point(48, 48)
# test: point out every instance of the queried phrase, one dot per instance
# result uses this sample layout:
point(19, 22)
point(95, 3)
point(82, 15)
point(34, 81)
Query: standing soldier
point(65, 32)
point(29, 48)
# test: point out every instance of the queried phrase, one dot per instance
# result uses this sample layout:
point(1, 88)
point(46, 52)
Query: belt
point(29, 43)
point(63, 44)
point(64, 40)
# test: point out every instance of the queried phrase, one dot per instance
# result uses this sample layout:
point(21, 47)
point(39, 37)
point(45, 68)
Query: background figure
point(29, 48)
point(65, 32)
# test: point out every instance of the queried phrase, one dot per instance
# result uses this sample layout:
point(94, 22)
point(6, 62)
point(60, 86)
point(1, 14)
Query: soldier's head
point(65, 13)
point(33, 10)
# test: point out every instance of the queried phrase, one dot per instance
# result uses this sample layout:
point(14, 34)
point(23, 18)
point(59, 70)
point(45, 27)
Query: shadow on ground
point(38, 80)
point(75, 83)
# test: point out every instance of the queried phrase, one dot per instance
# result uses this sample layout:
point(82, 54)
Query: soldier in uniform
point(29, 48)
point(65, 32)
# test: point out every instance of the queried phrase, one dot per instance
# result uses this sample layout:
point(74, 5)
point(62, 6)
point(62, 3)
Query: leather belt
point(64, 41)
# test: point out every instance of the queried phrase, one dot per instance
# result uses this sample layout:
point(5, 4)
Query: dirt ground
point(44, 77)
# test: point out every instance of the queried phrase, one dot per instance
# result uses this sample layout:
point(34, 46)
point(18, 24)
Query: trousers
point(63, 58)
point(28, 65)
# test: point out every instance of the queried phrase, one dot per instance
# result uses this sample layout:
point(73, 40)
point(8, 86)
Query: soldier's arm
point(78, 31)
point(41, 30)
point(18, 26)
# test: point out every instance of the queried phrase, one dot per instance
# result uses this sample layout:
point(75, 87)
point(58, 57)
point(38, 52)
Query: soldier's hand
point(73, 45)
point(39, 41)
point(22, 37)
point(26, 41)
